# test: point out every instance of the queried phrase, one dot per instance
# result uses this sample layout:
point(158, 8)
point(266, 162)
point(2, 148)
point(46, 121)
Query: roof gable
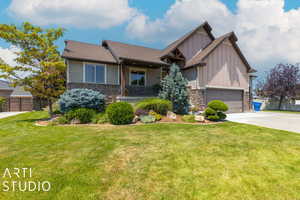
point(199, 58)
point(178, 42)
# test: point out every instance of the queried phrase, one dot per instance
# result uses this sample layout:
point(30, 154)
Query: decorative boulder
point(135, 119)
point(171, 115)
point(199, 118)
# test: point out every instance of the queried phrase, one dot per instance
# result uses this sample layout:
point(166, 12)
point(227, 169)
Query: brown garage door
point(20, 104)
point(233, 98)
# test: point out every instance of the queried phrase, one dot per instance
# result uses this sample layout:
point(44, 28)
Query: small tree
point(174, 88)
point(40, 69)
point(280, 83)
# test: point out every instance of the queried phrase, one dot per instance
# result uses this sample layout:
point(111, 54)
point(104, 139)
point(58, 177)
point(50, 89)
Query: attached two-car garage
point(233, 98)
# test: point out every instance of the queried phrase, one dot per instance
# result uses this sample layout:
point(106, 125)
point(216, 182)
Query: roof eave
point(88, 60)
point(123, 60)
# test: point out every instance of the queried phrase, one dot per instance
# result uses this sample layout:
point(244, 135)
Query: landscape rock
point(135, 119)
point(199, 118)
point(171, 115)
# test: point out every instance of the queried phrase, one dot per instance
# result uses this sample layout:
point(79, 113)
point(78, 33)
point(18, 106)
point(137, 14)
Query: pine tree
point(174, 88)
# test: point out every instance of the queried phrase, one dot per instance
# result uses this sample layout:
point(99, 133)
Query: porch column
point(123, 80)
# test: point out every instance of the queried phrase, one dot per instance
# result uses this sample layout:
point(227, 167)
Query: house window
point(137, 78)
point(94, 73)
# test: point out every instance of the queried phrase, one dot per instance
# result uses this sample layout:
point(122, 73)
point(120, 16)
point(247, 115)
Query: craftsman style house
point(214, 67)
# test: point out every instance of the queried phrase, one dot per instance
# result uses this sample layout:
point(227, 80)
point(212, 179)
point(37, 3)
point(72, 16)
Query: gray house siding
point(76, 72)
point(194, 44)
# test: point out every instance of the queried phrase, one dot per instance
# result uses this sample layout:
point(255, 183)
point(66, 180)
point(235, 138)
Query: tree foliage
point(280, 83)
point(40, 69)
point(174, 88)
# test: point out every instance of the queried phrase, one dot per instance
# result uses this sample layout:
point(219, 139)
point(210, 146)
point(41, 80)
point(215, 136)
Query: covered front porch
point(140, 80)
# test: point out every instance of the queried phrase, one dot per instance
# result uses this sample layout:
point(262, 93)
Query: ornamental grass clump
point(160, 106)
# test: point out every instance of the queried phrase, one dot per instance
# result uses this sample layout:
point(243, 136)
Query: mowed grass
point(154, 162)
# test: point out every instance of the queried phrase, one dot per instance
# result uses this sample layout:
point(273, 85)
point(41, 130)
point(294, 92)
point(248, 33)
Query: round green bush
point(218, 105)
point(120, 113)
point(84, 115)
point(81, 98)
point(160, 106)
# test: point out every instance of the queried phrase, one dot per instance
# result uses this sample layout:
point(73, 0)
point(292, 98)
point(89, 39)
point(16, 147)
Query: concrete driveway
point(276, 120)
point(8, 114)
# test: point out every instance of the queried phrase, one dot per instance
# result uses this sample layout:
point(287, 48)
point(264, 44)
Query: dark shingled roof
point(175, 44)
point(20, 92)
point(123, 51)
point(88, 52)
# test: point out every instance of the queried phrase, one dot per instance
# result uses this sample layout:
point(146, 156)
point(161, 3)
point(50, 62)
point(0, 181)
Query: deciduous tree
point(40, 68)
point(280, 83)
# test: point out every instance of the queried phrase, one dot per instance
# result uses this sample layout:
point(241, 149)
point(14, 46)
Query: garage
point(16, 98)
point(233, 98)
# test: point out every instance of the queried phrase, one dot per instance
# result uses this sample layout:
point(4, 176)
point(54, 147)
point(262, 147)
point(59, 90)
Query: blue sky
point(150, 23)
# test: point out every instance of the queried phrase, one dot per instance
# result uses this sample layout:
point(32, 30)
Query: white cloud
point(8, 55)
point(77, 13)
point(183, 15)
point(267, 34)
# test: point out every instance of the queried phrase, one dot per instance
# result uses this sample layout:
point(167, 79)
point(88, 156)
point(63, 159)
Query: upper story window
point(94, 73)
point(137, 78)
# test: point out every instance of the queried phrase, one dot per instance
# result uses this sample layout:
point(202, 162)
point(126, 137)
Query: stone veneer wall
point(247, 102)
point(197, 98)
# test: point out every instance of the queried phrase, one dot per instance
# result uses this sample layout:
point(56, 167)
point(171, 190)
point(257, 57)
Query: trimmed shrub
point(218, 105)
point(215, 109)
point(156, 115)
point(209, 111)
point(147, 119)
point(160, 106)
point(100, 118)
point(174, 88)
point(141, 112)
point(213, 118)
point(81, 98)
point(120, 113)
point(221, 115)
point(84, 115)
point(189, 118)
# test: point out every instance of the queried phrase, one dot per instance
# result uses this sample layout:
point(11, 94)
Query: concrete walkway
point(8, 114)
point(276, 120)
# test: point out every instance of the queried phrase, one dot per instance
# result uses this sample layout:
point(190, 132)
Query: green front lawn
point(153, 162)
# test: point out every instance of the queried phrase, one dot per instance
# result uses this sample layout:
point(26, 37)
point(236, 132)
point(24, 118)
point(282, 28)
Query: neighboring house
point(214, 67)
point(16, 98)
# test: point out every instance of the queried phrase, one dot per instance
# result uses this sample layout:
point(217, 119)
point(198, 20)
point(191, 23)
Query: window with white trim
point(94, 73)
point(137, 78)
